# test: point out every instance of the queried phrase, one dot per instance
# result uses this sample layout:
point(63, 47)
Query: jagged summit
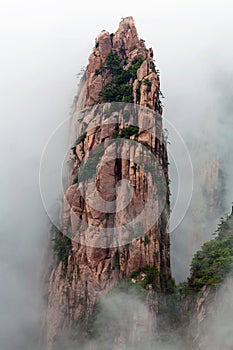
point(131, 52)
point(120, 69)
point(126, 30)
point(79, 275)
point(127, 21)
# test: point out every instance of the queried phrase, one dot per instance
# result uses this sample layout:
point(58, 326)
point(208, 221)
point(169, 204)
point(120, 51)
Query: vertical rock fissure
point(120, 69)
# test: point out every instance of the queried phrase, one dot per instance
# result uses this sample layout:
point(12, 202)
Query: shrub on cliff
point(120, 88)
point(62, 246)
point(215, 260)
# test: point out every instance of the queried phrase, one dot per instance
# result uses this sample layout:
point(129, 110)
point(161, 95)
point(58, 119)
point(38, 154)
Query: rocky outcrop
point(207, 306)
point(120, 69)
point(206, 320)
point(126, 43)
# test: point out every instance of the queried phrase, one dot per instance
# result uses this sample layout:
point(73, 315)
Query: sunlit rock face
point(121, 69)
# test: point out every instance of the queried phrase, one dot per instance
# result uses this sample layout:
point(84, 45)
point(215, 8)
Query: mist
point(208, 138)
point(43, 46)
point(124, 322)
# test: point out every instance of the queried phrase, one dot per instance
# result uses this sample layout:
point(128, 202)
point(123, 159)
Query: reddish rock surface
point(92, 272)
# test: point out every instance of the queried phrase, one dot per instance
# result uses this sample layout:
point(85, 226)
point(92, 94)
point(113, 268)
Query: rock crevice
point(91, 271)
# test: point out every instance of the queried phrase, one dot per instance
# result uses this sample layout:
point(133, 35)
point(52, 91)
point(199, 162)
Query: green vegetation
point(126, 133)
point(62, 246)
point(89, 168)
point(98, 71)
point(143, 277)
point(138, 91)
point(136, 64)
point(209, 267)
point(146, 240)
point(151, 277)
point(147, 275)
point(113, 63)
point(116, 261)
point(215, 260)
point(148, 85)
point(120, 88)
point(163, 221)
point(145, 144)
point(79, 140)
point(113, 92)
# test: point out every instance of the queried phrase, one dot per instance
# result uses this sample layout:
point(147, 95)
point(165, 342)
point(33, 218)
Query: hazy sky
point(44, 44)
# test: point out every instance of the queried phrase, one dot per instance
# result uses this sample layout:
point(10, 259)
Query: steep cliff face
point(207, 307)
point(97, 210)
point(206, 208)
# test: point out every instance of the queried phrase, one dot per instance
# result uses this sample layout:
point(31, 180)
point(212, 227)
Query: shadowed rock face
point(88, 271)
